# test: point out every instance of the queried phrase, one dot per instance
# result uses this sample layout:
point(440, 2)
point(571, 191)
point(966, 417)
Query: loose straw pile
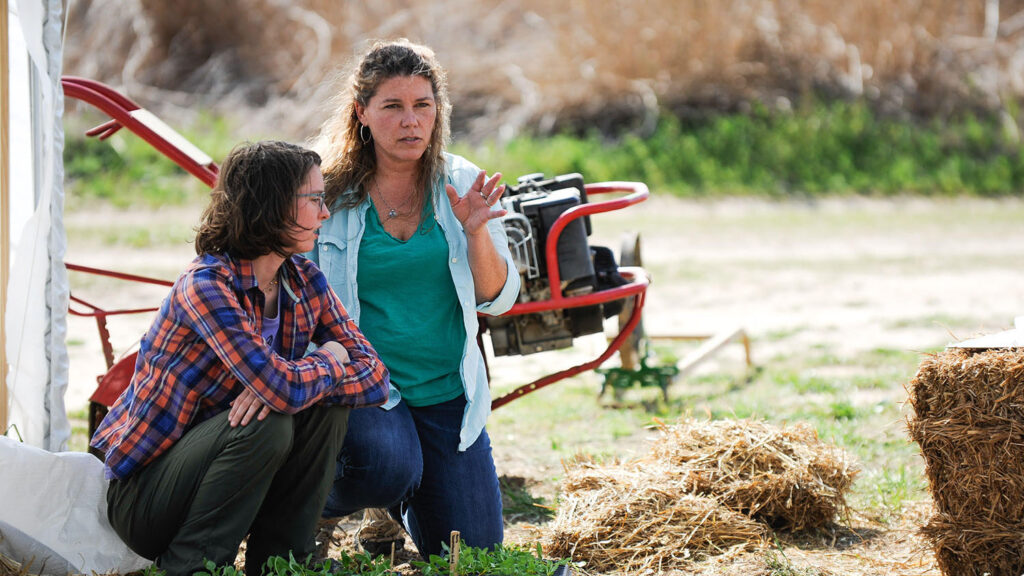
point(969, 422)
point(705, 488)
point(10, 567)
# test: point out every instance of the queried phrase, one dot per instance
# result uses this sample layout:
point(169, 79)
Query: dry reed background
point(542, 66)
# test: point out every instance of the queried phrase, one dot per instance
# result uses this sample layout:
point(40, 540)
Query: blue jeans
point(407, 460)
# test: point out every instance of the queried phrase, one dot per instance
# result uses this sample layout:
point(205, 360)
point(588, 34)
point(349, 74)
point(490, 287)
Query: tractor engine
point(533, 206)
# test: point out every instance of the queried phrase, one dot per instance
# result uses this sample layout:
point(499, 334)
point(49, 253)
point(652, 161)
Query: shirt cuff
point(505, 299)
point(394, 397)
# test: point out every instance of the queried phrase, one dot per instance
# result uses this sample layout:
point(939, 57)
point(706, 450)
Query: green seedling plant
point(213, 570)
point(502, 561)
point(780, 565)
point(360, 564)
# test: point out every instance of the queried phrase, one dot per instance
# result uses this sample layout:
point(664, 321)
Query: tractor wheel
point(629, 353)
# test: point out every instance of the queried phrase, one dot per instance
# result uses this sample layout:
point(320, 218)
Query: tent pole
point(5, 206)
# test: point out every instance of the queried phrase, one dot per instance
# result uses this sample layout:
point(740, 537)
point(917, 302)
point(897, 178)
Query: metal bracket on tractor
point(637, 347)
point(568, 287)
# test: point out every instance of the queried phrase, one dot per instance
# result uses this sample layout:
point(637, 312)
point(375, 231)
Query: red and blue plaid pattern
point(205, 347)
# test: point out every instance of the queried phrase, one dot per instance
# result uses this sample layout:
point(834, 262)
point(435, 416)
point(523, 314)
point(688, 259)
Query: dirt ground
point(851, 274)
point(846, 275)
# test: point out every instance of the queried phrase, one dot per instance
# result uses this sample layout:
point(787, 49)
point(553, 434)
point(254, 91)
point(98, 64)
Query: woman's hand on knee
point(245, 407)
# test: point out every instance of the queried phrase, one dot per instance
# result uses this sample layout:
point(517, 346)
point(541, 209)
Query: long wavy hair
point(348, 162)
point(252, 206)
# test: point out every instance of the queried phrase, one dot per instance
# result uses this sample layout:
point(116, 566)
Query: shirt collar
point(292, 281)
point(290, 276)
point(246, 273)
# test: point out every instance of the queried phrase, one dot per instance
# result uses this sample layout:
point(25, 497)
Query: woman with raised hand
point(230, 427)
point(415, 250)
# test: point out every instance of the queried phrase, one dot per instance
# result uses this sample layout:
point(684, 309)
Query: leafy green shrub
point(821, 149)
point(836, 148)
point(124, 170)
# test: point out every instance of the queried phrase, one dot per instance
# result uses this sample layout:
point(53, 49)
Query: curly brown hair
point(252, 207)
point(349, 163)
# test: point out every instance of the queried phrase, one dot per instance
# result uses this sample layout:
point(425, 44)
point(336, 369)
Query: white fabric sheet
point(56, 504)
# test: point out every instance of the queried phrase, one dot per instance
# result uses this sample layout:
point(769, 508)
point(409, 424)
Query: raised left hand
point(474, 209)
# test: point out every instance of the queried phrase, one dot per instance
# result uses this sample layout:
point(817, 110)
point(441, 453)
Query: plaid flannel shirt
point(205, 347)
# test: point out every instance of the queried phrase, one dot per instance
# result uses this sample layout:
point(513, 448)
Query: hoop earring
point(366, 139)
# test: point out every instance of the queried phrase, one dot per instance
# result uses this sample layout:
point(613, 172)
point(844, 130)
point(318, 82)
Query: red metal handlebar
point(638, 193)
point(118, 275)
point(128, 114)
point(637, 286)
point(100, 314)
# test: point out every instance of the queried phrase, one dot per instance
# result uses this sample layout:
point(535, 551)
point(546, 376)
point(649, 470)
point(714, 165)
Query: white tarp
point(54, 517)
point(1007, 339)
point(35, 313)
point(52, 505)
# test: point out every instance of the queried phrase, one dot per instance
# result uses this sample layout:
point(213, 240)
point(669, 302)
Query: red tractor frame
point(125, 113)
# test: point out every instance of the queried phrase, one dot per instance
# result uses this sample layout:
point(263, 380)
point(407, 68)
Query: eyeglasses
point(319, 196)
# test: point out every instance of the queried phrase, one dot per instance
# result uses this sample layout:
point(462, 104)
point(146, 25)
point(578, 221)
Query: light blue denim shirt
point(337, 254)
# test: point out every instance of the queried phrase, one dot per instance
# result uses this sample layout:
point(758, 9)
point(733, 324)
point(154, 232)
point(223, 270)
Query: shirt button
point(455, 260)
point(323, 247)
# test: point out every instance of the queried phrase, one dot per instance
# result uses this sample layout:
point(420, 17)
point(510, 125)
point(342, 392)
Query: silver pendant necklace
point(392, 212)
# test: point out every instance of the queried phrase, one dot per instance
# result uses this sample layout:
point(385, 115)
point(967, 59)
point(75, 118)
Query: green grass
point(941, 320)
point(891, 487)
point(519, 504)
point(778, 564)
point(853, 401)
point(79, 439)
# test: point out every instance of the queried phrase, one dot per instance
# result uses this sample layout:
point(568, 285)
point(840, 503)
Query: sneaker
point(329, 534)
point(379, 533)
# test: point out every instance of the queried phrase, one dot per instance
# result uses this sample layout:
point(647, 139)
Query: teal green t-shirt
point(410, 312)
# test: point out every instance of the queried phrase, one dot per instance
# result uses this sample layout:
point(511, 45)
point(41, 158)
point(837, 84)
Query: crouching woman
point(229, 428)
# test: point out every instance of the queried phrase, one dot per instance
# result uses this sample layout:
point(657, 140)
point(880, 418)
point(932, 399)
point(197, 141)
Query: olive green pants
point(197, 501)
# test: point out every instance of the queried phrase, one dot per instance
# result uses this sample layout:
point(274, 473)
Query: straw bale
point(630, 517)
point(968, 419)
point(784, 476)
point(991, 382)
point(975, 548)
